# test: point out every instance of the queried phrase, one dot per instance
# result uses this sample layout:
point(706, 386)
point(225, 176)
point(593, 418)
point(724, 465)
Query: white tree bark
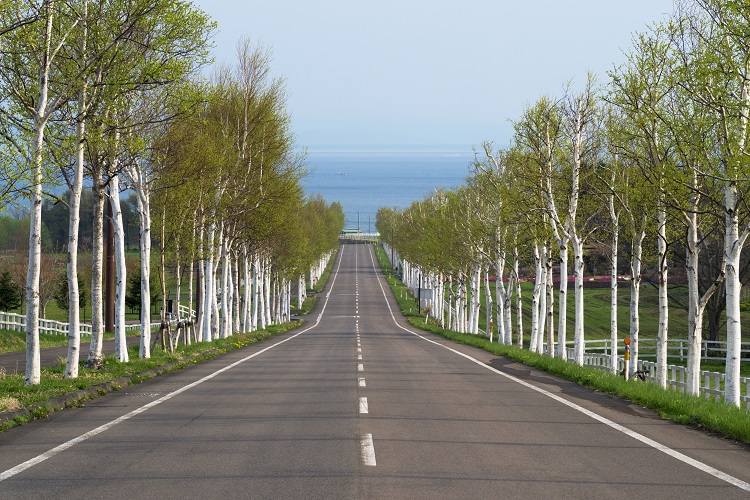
point(535, 297)
point(545, 256)
point(562, 319)
point(580, 347)
point(615, 219)
point(256, 293)
point(74, 311)
point(507, 309)
point(210, 283)
point(267, 290)
point(550, 291)
point(33, 363)
point(246, 292)
point(519, 298)
point(635, 295)
point(138, 178)
point(488, 303)
point(500, 293)
point(476, 278)
point(121, 349)
point(225, 290)
point(733, 243)
point(97, 274)
point(663, 332)
point(41, 117)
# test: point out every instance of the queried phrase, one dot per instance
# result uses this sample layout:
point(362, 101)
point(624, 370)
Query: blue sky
point(427, 72)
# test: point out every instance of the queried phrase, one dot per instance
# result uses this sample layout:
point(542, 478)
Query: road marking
point(359, 349)
point(368, 451)
point(360, 367)
point(363, 405)
point(362, 382)
point(359, 357)
point(83, 437)
point(614, 425)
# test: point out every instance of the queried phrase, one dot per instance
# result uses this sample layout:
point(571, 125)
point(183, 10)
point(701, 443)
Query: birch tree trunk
point(519, 298)
point(501, 297)
point(121, 348)
point(262, 317)
point(247, 290)
point(535, 297)
point(550, 310)
point(94, 359)
point(488, 303)
point(580, 347)
point(201, 280)
point(507, 306)
point(476, 278)
point(613, 283)
point(144, 215)
point(733, 244)
point(33, 363)
point(74, 310)
point(210, 283)
point(663, 332)
point(635, 294)
point(41, 116)
point(256, 293)
point(225, 287)
point(562, 312)
point(542, 299)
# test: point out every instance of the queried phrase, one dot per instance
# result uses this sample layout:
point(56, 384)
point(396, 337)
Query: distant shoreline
point(388, 148)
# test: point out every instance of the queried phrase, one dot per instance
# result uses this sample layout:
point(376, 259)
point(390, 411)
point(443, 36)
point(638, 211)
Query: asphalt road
point(356, 405)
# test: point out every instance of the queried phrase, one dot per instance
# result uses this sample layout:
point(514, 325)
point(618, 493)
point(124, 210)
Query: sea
point(366, 178)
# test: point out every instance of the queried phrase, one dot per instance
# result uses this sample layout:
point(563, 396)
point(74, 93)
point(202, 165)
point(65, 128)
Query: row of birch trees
point(653, 160)
point(107, 95)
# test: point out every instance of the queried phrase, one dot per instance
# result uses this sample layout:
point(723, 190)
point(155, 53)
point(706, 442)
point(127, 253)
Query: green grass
point(714, 416)
point(597, 312)
point(17, 395)
point(11, 341)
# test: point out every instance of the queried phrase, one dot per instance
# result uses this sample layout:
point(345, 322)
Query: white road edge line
point(614, 425)
point(83, 437)
point(363, 408)
point(368, 451)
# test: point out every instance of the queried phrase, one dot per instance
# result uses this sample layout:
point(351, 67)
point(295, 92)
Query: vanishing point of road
point(357, 404)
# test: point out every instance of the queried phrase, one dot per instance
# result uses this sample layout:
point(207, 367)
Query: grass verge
point(729, 421)
point(56, 392)
point(12, 341)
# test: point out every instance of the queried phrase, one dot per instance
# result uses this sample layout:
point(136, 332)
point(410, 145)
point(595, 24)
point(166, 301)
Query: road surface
point(358, 405)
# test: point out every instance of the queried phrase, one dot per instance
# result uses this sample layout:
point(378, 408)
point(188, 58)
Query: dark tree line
point(56, 217)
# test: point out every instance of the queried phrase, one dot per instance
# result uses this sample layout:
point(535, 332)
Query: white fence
point(712, 383)
point(17, 322)
point(676, 348)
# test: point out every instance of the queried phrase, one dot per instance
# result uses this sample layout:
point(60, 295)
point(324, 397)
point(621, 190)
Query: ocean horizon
point(364, 178)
